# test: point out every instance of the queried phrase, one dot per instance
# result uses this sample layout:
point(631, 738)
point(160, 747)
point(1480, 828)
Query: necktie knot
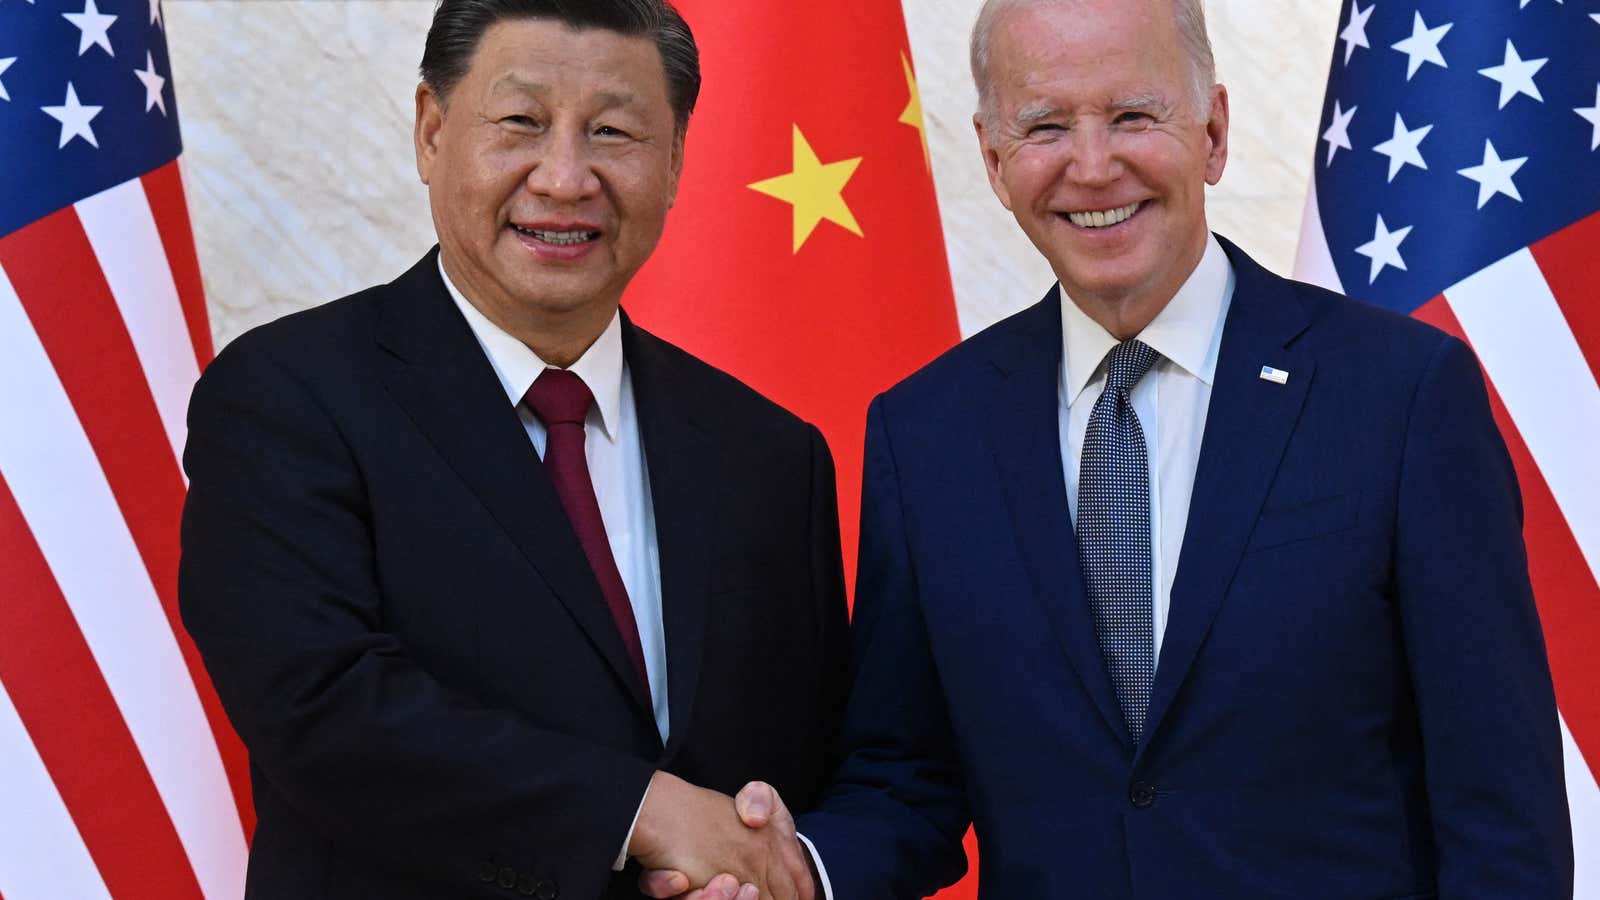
point(558, 397)
point(1130, 360)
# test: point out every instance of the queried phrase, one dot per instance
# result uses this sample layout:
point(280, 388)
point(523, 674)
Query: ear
point(1217, 135)
point(991, 160)
point(425, 134)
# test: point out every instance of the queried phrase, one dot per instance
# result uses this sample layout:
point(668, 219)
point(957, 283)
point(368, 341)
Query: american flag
point(119, 776)
point(1457, 179)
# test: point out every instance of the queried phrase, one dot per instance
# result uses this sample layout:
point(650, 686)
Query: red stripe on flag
point(53, 268)
point(75, 725)
point(1563, 586)
point(164, 189)
point(1570, 261)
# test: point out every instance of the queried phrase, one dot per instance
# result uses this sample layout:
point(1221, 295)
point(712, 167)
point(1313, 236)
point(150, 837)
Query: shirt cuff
point(822, 870)
point(622, 855)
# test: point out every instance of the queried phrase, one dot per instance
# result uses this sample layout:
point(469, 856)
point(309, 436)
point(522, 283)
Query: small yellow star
point(913, 112)
point(814, 189)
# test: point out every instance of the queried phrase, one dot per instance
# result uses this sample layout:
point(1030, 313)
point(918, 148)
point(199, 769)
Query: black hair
point(458, 26)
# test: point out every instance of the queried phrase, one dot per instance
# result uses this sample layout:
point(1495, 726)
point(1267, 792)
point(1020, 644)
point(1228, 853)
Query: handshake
point(699, 844)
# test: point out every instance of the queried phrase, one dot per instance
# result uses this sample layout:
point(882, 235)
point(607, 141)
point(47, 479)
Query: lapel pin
point(1276, 376)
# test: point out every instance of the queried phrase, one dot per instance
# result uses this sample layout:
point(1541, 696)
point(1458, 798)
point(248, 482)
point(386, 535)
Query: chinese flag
point(805, 254)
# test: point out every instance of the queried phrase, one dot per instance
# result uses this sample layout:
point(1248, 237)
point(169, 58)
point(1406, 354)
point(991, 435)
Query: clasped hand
point(719, 847)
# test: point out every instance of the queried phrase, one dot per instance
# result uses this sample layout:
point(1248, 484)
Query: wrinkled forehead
point(1122, 56)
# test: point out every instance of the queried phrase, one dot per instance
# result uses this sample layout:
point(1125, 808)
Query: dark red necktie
point(561, 401)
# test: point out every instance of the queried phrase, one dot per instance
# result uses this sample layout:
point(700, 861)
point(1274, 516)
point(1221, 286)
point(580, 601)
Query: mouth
point(562, 236)
point(1103, 218)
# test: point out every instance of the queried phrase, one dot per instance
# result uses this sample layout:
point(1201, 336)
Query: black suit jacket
point(405, 632)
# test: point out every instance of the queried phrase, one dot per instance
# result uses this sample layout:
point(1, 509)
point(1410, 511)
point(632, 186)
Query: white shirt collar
point(1187, 331)
point(600, 367)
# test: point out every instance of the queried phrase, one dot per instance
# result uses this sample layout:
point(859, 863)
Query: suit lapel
point(1027, 455)
point(683, 463)
point(1247, 428)
point(437, 372)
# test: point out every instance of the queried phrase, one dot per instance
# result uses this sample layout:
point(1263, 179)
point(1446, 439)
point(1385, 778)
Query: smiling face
point(550, 170)
point(1095, 142)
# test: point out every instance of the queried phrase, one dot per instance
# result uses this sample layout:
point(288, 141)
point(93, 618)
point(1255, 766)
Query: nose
point(1094, 160)
point(565, 169)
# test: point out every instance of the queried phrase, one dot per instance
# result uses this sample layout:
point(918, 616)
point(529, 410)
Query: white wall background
point(297, 127)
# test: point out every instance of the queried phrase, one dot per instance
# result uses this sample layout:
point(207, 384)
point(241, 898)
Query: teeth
point(559, 237)
point(1102, 218)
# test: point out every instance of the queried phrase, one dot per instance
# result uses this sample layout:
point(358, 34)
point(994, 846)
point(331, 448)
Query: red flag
point(805, 254)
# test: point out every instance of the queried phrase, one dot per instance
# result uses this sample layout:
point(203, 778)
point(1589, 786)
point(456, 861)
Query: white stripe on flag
point(62, 492)
point(1313, 261)
point(1523, 340)
point(42, 855)
point(1583, 797)
point(122, 230)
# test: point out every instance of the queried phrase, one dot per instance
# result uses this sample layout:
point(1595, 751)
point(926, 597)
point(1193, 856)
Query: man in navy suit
point(1188, 581)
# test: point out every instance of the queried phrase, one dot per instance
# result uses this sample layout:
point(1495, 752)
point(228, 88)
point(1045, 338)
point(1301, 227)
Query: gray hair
point(1191, 20)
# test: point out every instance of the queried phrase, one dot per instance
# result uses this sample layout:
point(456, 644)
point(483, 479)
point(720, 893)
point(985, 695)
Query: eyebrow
point(517, 82)
point(1140, 101)
point(1036, 112)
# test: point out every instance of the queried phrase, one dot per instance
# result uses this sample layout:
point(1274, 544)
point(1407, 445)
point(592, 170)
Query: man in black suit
point(488, 578)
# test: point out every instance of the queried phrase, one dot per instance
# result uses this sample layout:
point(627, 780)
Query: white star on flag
point(1423, 45)
point(1384, 249)
point(4, 65)
point(155, 15)
point(1338, 134)
point(92, 24)
point(1595, 17)
point(1590, 114)
point(153, 84)
point(74, 118)
point(1515, 76)
point(1403, 148)
point(1523, 4)
point(1494, 175)
point(1355, 31)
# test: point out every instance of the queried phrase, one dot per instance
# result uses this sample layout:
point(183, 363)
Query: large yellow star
point(815, 190)
point(913, 112)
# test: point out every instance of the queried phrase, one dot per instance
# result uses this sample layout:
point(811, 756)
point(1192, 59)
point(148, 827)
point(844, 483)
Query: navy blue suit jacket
point(1352, 698)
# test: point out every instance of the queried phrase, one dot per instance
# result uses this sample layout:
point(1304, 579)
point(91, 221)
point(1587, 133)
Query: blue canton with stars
point(1454, 134)
point(59, 61)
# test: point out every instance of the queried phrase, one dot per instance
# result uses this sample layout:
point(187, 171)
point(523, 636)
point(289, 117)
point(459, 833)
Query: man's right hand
point(689, 837)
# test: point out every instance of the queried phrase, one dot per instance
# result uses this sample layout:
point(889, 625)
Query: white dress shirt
point(1171, 402)
point(617, 467)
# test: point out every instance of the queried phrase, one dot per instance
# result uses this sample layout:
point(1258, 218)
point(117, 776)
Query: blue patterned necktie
point(1114, 533)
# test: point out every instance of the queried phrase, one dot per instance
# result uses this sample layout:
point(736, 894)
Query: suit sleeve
point(1487, 710)
point(891, 825)
point(279, 588)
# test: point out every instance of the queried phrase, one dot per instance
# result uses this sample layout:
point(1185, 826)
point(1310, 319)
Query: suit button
point(546, 890)
point(508, 877)
point(1142, 794)
point(486, 873)
point(526, 886)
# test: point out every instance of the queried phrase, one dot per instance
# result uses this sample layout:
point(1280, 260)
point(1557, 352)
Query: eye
point(1133, 118)
point(519, 121)
point(609, 131)
point(1045, 128)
